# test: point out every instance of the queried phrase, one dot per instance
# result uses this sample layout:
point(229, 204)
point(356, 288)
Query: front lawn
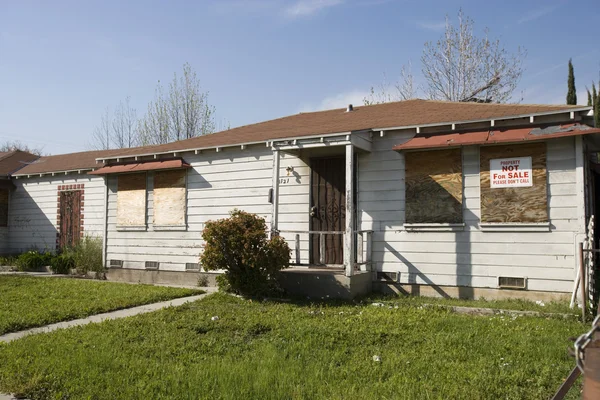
point(225, 347)
point(27, 302)
point(544, 307)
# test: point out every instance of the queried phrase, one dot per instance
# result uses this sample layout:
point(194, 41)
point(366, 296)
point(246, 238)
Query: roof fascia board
point(586, 109)
point(200, 149)
point(52, 173)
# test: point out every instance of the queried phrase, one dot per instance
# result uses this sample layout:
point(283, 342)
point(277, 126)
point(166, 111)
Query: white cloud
point(537, 13)
point(340, 100)
point(432, 26)
point(305, 8)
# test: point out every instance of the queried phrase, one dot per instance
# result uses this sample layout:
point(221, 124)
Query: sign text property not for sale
point(511, 172)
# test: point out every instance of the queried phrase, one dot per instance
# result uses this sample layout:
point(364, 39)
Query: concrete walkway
point(127, 312)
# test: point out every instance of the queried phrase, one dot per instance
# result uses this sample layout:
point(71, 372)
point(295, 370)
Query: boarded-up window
point(434, 186)
point(131, 200)
point(3, 207)
point(519, 193)
point(169, 198)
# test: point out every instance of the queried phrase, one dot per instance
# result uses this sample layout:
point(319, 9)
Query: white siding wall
point(33, 210)
point(471, 257)
point(216, 184)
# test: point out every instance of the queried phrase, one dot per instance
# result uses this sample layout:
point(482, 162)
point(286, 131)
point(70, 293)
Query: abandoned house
point(430, 197)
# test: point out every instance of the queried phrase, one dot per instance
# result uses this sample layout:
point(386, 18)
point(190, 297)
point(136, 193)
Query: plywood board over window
point(434, 186)
point(131, 200)
point(527, 204)
point(169, 198)
point(3, 207)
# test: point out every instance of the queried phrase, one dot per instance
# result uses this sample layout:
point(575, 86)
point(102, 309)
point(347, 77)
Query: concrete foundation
point(187, 278)
point(464, 292)
point(324, 283)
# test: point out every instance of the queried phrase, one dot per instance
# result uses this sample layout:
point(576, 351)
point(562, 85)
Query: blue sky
point(63, 62)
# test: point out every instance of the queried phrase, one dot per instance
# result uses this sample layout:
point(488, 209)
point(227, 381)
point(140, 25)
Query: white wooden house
point(412, 196)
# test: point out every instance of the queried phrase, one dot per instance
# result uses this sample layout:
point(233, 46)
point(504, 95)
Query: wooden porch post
point(275, 199)
point(348, 237)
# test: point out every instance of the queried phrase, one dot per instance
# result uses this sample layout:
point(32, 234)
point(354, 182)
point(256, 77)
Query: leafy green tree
point(590, 102)
point(572, 92)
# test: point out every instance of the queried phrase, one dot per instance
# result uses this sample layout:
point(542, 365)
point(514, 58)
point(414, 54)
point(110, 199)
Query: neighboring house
point(10, 163)
point(414, 195)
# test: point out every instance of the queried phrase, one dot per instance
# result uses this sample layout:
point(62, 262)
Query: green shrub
point(33, 260)
point(87, 255)
point(239, 245)
point(9, 261)
point(62, 263)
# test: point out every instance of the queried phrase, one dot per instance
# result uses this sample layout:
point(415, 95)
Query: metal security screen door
point(70, 218)
point(328, 208)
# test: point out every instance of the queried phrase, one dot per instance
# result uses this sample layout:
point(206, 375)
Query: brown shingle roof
point(388, 115)
point(12, 161)
point(65, 162)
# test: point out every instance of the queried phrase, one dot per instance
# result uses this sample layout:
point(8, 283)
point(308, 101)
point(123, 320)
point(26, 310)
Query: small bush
point(239, 245)
point(8, 261)
point(33, 260)
point(62, 263)
point(87, 255)
point(203, 281)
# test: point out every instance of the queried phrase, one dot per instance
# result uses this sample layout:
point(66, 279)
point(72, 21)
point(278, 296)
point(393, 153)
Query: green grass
point(27, 302)
point(269, 350)
point(560, 307)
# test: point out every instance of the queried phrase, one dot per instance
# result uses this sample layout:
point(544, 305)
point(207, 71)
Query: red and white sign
point(511, 172)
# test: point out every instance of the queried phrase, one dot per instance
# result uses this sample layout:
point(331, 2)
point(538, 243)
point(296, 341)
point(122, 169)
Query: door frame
point(354, 215)
point(76, 214)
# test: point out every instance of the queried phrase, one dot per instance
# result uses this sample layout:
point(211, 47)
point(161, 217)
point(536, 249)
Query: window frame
point(171, 227)
point(451, 226)
point(517, 150)
point(133, 227)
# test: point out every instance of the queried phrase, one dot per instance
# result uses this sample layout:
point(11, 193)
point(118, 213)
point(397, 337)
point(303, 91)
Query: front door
point(328, 208)
point(70, 218)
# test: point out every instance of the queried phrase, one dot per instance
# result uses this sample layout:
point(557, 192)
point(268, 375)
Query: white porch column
point(348, 237)
point(275, 199)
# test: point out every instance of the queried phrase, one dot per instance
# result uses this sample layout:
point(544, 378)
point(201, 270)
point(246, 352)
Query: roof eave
point(587, 109)
point(51, 173)
point(242, 145)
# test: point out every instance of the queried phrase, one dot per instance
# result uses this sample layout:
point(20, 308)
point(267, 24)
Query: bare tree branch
point(13, 145)
point(459, 67)
point(101, 138)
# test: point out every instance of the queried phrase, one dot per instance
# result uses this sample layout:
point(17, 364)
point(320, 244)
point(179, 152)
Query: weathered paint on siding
point(216, 184)
point(33, 210)
point(470, 257)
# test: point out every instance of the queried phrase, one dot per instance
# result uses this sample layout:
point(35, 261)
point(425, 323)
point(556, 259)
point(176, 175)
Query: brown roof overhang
point(495, 136)
point(141, 167)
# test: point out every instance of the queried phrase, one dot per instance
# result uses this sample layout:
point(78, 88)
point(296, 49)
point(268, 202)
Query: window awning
point(141, 167)
point(494, 136)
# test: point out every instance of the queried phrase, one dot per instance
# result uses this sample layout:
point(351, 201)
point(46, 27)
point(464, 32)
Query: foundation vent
point(116, 264)
point(152, 264)
point(192, 267)
point(387, 276)
point(512, 282)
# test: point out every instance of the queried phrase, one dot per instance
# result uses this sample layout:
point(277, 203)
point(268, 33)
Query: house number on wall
point(283, 181)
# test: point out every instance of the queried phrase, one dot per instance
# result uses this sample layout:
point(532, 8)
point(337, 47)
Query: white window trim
point(169, 227)
point(132, 228)
point(514, 227)
point(429, 227)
